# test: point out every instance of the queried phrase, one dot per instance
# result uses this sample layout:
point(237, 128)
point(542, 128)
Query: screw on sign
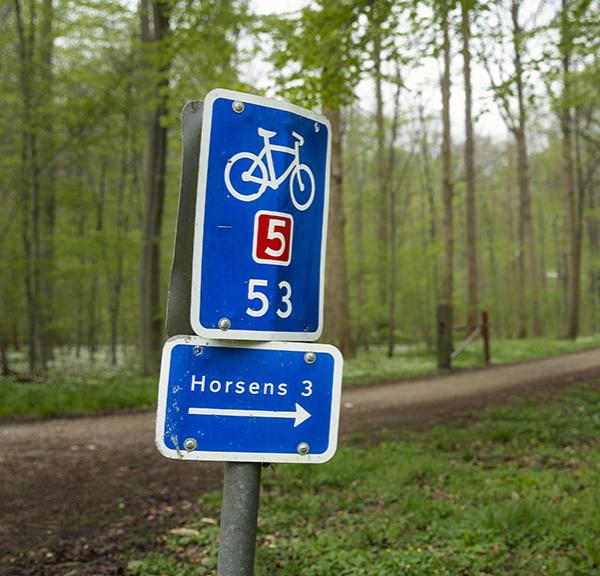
point(261, 220)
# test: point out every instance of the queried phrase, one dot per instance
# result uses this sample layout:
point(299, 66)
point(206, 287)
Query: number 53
point(255, 294)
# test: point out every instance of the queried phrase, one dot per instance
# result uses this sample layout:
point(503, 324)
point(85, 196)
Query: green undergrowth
point(59, 393)
point(79, 387)
point(415, 360)
point(515, 493)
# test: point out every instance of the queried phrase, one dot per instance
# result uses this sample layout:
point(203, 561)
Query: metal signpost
point(249, 265)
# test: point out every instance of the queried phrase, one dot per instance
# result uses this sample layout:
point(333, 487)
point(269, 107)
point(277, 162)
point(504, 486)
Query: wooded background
point(90, 150)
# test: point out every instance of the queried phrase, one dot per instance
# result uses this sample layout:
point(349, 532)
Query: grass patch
point(60, 393)
point(515, 493)
point(75, 386)
point(415, 359)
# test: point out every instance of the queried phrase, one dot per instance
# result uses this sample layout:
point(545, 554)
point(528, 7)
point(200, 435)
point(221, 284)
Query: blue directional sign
point(261, 220)
point(265, 402)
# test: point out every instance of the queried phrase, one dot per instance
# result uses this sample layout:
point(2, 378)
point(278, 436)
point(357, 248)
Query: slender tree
point(154, 30)
point(526, 232)
point(445, 346)
point(472, 292)
point(47, 159)
point(337, 316)
point(513, 83)
point(378, 16)
point(30, 182)
point(395, 176)
point(566, 129)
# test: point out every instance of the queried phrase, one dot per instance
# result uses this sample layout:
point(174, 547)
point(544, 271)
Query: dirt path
point(76, 494)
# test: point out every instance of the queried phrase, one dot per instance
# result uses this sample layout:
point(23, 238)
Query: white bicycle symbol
point(301, 174)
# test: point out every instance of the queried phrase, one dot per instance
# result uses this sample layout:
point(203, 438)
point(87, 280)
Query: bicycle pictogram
point(302, 179)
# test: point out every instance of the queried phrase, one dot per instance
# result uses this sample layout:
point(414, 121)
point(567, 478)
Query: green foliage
point(317, 53)
point(207, 48)
point(89, 121)
point(89, 107)
point(447, 502)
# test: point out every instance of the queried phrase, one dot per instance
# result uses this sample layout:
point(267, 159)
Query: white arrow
point(299, 414)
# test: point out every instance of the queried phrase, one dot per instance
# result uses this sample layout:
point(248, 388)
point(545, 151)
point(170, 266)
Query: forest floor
point(78, 495)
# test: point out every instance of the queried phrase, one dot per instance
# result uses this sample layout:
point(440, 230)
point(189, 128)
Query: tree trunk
point(494, 286)
point(426, 159)
point(99, 200)
point(115, 278)
point(512, 270)
point(447, 268)
point(431, 238)
point(447, 223)
point(527, 247)
point(560, 258)
point(80, 284)
point(4, 358)
point(47, 146)
point(393, 185)
point(30, 181)
point(155, 25)
point(585, 178)
point(364, 324)
point(383, 208)
point(92, 320)
point(593, 234)
point(472, 292)
point(573, 257)
point(337, 325)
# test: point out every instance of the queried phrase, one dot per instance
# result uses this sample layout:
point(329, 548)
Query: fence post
point(444, 335)
point(485, 335)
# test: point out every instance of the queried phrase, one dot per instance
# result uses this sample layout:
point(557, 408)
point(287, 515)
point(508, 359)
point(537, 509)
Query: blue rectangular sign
point(261, 220)
point(265, 402)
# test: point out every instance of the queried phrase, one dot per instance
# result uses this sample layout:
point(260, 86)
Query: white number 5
point(254, 294)
point(272, 234)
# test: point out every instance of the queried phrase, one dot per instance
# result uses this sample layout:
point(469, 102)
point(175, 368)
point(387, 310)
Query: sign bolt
point(310, 357)
point(238, 106)
point(303, 448)
point(190, 444)
point(224, 324)
point(197, 351)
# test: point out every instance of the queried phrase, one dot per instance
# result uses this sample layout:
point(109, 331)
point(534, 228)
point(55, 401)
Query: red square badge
point(273, 238)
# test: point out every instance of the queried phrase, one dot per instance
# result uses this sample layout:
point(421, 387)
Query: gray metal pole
point(239, 515)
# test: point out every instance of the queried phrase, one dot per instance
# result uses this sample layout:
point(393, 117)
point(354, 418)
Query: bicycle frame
point(267, 151)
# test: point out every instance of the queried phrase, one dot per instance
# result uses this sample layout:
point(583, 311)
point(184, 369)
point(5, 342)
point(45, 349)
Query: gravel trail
point(77, 493)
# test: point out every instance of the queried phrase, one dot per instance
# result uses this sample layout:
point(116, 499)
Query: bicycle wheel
point(305, 186)
point(238, 169)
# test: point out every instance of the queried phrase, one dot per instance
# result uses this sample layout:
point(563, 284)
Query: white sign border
point(210, 456)
point(232, 333)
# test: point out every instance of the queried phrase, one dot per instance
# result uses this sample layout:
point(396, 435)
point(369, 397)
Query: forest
point(428, 202)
